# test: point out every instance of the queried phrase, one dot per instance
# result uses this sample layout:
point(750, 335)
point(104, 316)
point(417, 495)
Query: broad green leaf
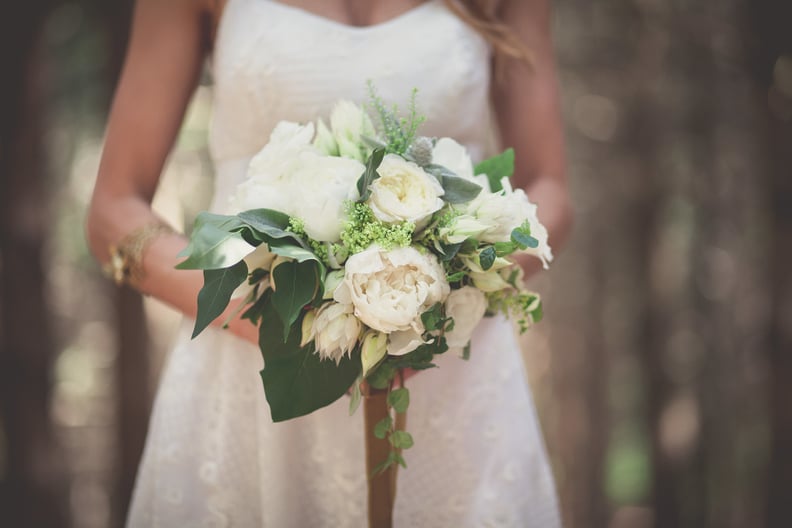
point(487, 257)
point(216, 293)
point(496, 168)
point(459, 190)
point(449, 251)
point(382, 427)
point(273, 223)
point(296, 283)
point(401, 440)
point(399, 399)
point(456, 276)
point(522, 239)
point(370, 174)
point(213, 246)
point(296, 381)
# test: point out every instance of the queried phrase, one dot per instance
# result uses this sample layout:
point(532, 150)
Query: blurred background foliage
point(662, 372)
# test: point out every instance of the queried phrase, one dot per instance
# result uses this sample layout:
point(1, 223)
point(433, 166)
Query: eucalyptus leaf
point(401, 439)
point(296, 380)
point(522, 239)
point(216, 293)
point(433, 317)
point(496, 168)
point(381, 377)
point(503, 249)
point(296, 284)
point(370, 174)
point(399, 399)
point(487, 257)
point(382, 427)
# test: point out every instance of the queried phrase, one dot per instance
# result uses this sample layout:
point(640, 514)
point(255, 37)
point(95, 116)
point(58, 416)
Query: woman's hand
point(168, 43)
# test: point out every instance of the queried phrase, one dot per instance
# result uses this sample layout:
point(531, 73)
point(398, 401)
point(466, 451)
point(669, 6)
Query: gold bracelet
point(126, 257)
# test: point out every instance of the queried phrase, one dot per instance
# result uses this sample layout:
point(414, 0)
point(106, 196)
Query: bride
point(213, 456)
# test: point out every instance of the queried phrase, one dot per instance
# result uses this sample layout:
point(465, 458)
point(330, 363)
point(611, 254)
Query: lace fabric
point(213, 456)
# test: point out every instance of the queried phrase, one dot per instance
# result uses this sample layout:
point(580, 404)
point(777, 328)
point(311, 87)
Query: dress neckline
point(401, 17)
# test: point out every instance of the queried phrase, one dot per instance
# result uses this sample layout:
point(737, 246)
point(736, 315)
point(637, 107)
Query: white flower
point(324, 141)
point(373, 349)
point(390, 290)
point(404, 342)
point(335, 331)
point(291, 176)
point(350, 124)
point(503, 212)
point(456, 158)
point(404, 192)
point(466, 306)
point(461, 228)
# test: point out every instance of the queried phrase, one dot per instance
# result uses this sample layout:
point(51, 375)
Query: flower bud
point(375, 346)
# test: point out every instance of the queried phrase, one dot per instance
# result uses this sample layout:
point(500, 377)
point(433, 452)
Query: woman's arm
point(168, 43)
point(527, 109)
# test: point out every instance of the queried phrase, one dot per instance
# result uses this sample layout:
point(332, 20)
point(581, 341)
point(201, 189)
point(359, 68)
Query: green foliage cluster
point(364, 229)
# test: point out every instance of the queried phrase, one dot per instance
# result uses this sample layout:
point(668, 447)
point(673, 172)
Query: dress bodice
point(276, 62)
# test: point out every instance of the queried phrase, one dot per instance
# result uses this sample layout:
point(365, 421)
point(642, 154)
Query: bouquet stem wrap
point(382, 485)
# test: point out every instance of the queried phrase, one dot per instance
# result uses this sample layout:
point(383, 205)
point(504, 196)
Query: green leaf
point(449, 251)
point(459, 190)
point(382, 427)
point(215, 243)
point(487, 258)
point(382, 376)
point(503, 249)
point(466, 352)
point(296, 381)
point(399, 399)
point(401, 440)
point(296, 283)
point(355, 396)
point(370, 174)
point(497, 167)
point(456, 276)
point(216, 293)
point(433, 317)
point(267, 221)
point(522, 239)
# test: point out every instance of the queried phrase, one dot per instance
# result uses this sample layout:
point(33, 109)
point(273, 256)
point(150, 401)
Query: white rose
point(319, 188)
point(390, 290)
point(466, 306)
point(335, 331)
point(456, 158)
point(404, 192)
point(350, 124)
point(289, 175)
point(503, 212)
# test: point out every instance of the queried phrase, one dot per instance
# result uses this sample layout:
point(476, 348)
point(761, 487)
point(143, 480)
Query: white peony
point(503, 212)
point(391, 289)
point(466, 306)
point(290, 175)
point(404, 192)
point(334, 330)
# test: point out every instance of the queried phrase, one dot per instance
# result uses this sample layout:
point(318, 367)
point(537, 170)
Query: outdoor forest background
point(662, 372)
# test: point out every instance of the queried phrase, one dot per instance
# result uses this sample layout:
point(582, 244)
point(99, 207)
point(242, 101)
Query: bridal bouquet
point(362, 251)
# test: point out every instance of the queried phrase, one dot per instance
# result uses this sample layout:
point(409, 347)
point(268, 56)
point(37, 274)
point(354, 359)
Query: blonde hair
point(482, 16)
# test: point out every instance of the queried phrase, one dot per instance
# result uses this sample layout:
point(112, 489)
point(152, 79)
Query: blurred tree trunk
point(34, 490)
point(133, 360)
point(772, 24)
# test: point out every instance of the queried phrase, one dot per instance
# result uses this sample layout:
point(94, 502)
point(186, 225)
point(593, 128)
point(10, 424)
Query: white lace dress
point(213, 456)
